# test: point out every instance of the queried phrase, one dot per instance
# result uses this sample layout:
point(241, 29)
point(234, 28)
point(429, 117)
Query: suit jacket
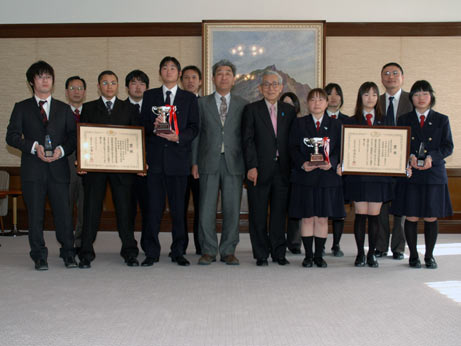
point(403, 107)
point(26, 127)
point(123, 114)
point(438, 143)
point(260, 145)
point(164, 156)
point(206, 147)
point(305, 128)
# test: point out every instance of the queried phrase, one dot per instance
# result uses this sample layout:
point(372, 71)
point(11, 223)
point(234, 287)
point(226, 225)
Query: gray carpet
point(167, 305)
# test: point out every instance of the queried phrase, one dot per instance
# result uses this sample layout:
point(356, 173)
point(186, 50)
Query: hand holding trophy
point(168, 118)
point(316, 158)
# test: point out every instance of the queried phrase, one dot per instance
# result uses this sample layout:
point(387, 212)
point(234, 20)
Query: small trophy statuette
point(165, 112)
point(421, 157)
point(48, 146)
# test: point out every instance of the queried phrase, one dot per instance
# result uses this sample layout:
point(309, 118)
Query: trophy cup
point(316, 158)
point(48, 146)
point(421, 155)
point(165, 112)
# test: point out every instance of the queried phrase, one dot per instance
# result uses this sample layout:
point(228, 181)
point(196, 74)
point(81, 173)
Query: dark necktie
point(422, 118)
point(317, 125)
point(223, 110)
point(369, 116)
point(42, 112)
point(109, 107)
point(390, 111)
point(77, 115)
point(138, 108)
point(168, 99)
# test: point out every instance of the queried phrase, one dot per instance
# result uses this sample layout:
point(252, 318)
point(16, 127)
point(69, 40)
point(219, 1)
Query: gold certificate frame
point(377, 150)
point(110, 148)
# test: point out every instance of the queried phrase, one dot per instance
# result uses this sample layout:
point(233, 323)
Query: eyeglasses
point(106, 83)
point(395, 73)
point(267, 85)
point(72, 88)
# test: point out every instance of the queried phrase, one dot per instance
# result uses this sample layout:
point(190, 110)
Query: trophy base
point(317, 160)
point(420, 163)
point(164, 128)
point(48, 153)
point(317, 163)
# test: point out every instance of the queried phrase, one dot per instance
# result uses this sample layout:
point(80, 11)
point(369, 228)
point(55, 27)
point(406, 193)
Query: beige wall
point(349, 61)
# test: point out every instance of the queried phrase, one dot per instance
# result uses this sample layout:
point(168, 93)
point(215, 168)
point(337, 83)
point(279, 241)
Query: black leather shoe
point(360, 261)
point(414, 263)
point(85, 263)
point(430, 263)
point(181, 261)
point(320, 262)
point(149, 262)
point(307, 262)
point(70, 262)
point(372, 262)
point(41, 265)
point(262, 263)
point(281, 261)
point(131, 261)
point(397, 256)
point(337, 251)
point(380, 254)
point(295, 250)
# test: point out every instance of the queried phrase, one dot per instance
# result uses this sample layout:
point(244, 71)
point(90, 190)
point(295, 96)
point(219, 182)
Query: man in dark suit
point(109, 110)
point(394, 103)
point(136, 83)
point(191, 80)
point(168, 156)
point(218, 161)
point(265, 130)
point(75, 94)
point(44, 172)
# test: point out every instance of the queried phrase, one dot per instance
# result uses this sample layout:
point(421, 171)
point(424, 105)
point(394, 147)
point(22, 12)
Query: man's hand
point(40, 151)
point(172, 137)
point(142, 174)
point(194, 171)
point(252, 175)
point(57, 153)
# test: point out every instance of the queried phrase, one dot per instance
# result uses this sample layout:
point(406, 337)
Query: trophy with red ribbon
point(169, 119)
point(316, 158)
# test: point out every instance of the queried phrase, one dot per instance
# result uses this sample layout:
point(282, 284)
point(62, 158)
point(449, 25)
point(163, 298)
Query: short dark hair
point(169, 59)
point(106, 72)
point(294, 99)
point(221, 63)
point(393, 64)
point(364, 88)
point(137, 75)
point(193, 68)
point(422, 85)
point(70, 79)
point(329, 88)
point(38, 68)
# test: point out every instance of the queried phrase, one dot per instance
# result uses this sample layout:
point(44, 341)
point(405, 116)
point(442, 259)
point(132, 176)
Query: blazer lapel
point(325, 126)
point(213, 108)
point(414, 123)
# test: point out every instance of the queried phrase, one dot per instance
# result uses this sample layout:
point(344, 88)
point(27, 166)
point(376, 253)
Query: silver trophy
point(316, 158)
point(165, 112)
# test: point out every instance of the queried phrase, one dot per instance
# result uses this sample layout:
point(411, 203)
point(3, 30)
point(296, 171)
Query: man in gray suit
point(394, 103)
point(217, 160)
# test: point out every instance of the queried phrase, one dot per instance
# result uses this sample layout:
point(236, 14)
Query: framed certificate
point(377, 150)
point(110, 148)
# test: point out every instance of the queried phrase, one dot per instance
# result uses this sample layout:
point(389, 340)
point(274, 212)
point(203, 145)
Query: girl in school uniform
point(367, 192)
point(425, 194)
point(316, 191)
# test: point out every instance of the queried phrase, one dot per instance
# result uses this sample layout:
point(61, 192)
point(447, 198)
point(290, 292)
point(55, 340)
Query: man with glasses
point(265, 129)
point(394, 103)
point(34, 123)
point(75, 94)
point(109, 110)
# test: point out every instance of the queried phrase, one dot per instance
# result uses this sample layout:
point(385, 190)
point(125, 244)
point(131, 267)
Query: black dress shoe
point(181, 261)
point(41, 265)
point(372, 262)
point(262, 263)
point(70, 262)
point(360, 261)
point(380, 254)
point(281, 261)
point(131, 261)
point(414, 263)
point(320, 262)
point(295, 250)
point(397, 256)
point(85, 263)
point(337, 251)
point(307, 262)
point(149, 262)
point(430, 263)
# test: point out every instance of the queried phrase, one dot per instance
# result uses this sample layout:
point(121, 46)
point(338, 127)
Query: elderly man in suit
point(394, 102)
point(168, 156)
point(217, 160)
point(108, 109)
point(265, 130)
point(34, 123)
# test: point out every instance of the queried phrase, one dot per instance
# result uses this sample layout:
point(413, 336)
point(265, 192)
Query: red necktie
point(42, 112)
point(333, 116)
point(318, 125)
point(421, 123)
point(77, 115)
point(369, 116)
